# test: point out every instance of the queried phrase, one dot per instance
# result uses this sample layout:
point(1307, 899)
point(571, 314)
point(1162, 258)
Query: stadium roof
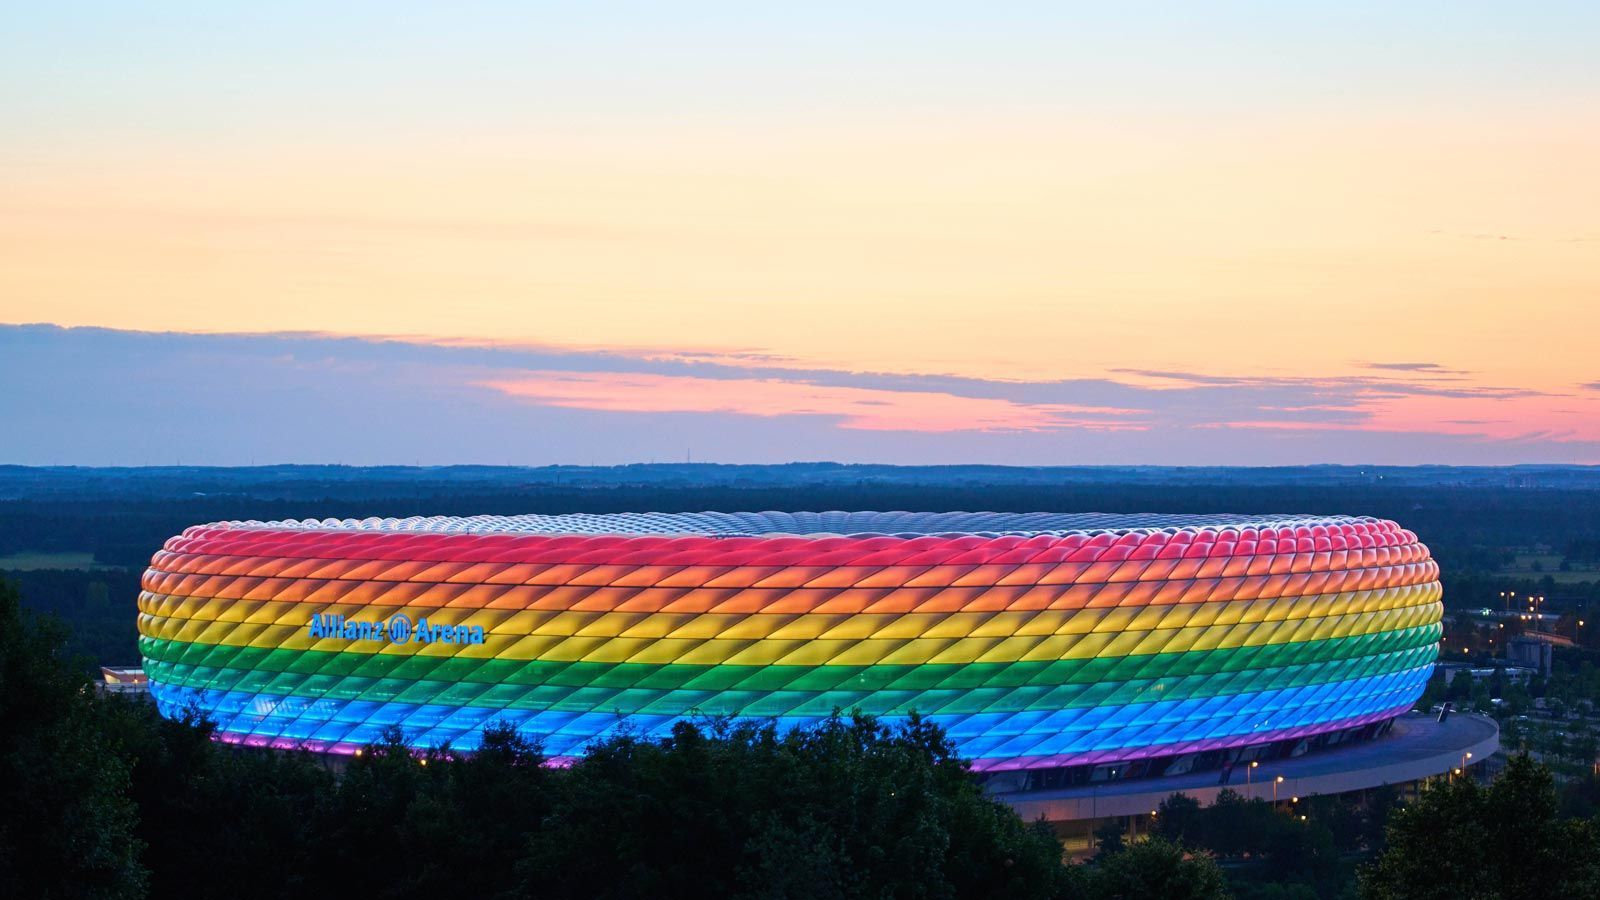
point(818, 524)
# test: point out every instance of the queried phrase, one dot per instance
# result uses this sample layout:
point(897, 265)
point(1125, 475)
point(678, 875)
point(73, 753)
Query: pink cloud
point(1551, 417)
point(867, 409)
point(1536, 418)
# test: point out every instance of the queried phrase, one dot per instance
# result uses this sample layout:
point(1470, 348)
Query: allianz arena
point(1038, 641)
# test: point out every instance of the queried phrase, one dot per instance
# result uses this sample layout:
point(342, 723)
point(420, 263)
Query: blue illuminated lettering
point(395, 630)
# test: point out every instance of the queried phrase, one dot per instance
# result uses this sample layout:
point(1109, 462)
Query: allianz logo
point(397, 629)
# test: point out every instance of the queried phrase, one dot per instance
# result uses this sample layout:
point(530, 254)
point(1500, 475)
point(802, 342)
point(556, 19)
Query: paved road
point(1416, 747)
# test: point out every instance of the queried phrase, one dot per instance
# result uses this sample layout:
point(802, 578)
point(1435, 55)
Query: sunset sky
point(1032, 233)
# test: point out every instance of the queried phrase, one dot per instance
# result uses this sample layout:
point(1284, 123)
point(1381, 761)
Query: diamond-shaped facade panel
point(1036, 640)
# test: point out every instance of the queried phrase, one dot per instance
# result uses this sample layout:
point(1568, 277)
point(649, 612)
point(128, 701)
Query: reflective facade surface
point(1036, 640)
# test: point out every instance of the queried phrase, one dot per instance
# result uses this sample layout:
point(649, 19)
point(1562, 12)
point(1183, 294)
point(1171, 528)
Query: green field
point(28, 562)
point(1538, 565)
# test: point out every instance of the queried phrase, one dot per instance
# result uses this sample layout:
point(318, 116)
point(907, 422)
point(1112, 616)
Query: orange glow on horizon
point(1004, 251)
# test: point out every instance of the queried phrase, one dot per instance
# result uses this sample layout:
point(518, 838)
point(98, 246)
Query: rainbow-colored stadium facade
point(1036, 640)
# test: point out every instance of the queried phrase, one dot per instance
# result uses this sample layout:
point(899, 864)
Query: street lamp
point(1275, 782)
point(1248, 789)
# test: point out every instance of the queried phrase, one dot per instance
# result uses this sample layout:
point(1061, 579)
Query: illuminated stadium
point(1038, 641)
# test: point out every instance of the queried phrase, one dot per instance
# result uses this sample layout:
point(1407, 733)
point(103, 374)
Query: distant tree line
point(1585, 550)
point(1469, 529)
point(99, 604)
point(122, 520)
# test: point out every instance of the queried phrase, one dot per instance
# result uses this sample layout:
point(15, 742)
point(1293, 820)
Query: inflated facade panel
point(1036, 640)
